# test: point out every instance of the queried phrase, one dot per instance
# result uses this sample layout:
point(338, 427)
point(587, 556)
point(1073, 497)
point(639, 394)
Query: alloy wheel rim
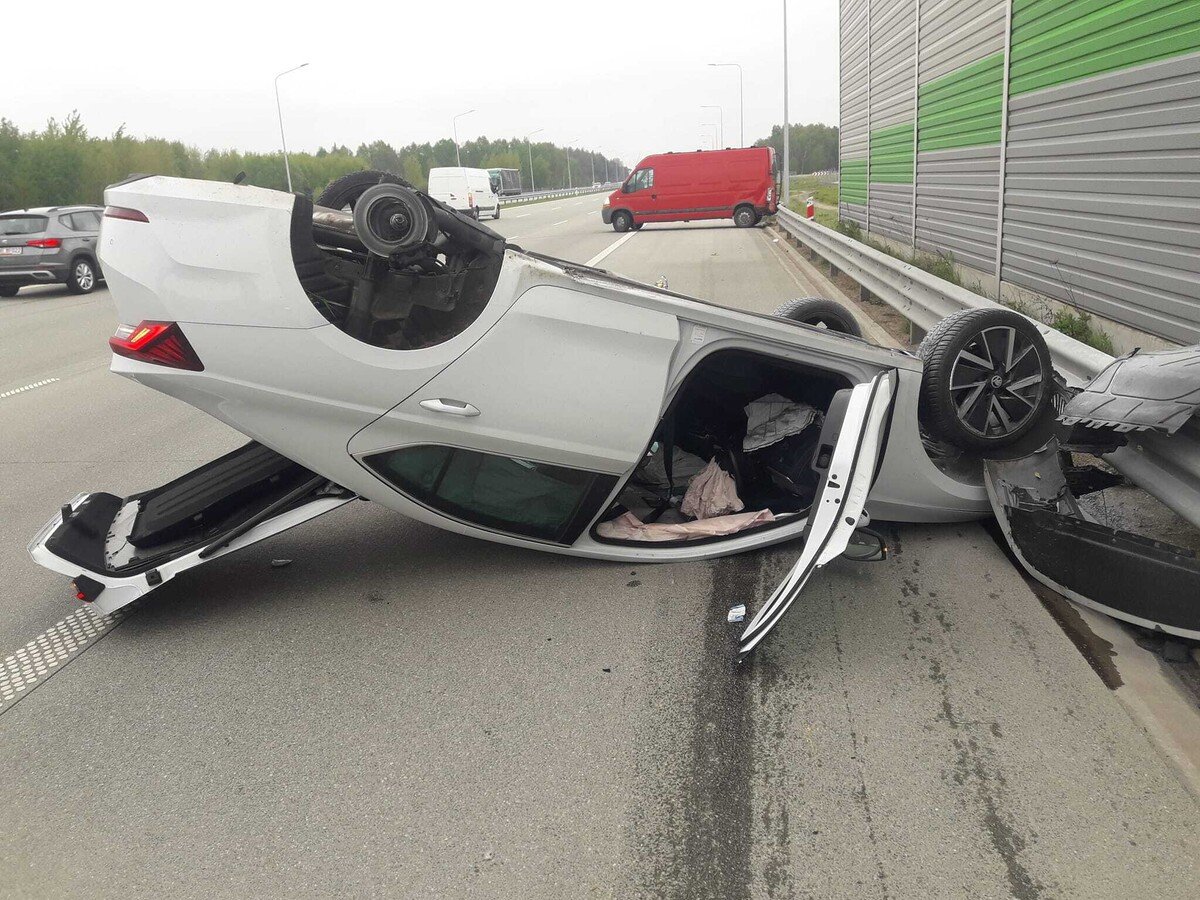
point(996, 382)
point(83, 276)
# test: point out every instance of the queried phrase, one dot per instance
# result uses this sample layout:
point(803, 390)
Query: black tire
point(745, 217)
point(988, 379)
point(9, 291)
point(637, 226)
point(82, 277)
point(622, 221)
point(343, 193)
point(496, 215)
point(820, 313)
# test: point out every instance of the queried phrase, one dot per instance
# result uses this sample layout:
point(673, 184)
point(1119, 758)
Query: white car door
point(852, 448)
point(567, 385)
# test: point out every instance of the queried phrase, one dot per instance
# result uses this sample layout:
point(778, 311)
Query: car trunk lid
point(118, 549)
point(16, 231)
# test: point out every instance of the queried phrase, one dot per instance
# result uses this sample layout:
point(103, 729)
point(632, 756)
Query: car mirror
point(866, 546)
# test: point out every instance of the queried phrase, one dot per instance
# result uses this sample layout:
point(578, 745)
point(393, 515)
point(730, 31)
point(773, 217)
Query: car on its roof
point(50, 245)
point(386, 346)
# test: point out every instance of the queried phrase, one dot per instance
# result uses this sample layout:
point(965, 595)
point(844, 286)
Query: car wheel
point(8, 291)
point(342, 193)
point(820, 313)
point(744, 216)
point(988, 379)
point(82, 279)
point(496, 215)
point(622, 221)
point(637, 226)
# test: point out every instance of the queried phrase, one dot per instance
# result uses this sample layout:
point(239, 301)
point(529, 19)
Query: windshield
point(22, 224)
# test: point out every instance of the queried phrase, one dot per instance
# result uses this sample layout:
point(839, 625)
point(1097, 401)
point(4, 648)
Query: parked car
point(466, 190)
point(705, 184)
point(49, 245)
point(388, 347)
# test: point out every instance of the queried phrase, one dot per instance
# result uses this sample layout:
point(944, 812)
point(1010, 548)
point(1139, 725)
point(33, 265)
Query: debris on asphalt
point(280, 563)
point(736, 614)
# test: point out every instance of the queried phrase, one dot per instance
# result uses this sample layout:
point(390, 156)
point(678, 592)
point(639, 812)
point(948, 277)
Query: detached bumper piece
point(1127, 576)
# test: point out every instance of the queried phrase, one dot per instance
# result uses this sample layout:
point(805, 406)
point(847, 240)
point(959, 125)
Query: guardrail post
point(833, 272)
point(864, 296)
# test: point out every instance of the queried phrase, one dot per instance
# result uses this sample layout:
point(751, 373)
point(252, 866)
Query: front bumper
point(606, 215)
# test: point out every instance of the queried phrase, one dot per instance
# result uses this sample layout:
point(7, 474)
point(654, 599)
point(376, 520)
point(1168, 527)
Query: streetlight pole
point(720, 119)
point(592, 157)
point(741, 102)
point(529, 147)
point(283, 140)
point(570, 183)
point(787, 137)
point(454, 125)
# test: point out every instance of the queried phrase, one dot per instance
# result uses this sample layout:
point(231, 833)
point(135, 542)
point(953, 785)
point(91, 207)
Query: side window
point(67, 221)
point(642, 179)
point(88, 221)
point(514, 495)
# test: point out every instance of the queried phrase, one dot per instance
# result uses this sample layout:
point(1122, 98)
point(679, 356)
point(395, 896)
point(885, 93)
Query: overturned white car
point(384, 346)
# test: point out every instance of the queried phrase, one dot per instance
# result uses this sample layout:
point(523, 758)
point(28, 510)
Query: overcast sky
point(202, 72)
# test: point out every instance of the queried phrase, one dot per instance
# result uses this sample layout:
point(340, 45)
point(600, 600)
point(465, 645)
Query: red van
point(704, 184)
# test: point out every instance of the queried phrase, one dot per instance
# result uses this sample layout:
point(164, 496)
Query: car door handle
point(450, 407)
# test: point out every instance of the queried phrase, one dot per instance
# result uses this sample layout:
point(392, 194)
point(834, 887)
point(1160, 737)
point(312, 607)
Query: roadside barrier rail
point(530, 196)
point(1167, 466)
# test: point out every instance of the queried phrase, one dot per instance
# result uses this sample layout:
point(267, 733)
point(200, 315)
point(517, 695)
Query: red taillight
point(124, 212)
point(161, 343)
point(44, 243)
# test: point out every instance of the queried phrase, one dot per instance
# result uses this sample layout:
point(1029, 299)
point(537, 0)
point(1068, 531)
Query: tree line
point(811, 148)
point(63, 164)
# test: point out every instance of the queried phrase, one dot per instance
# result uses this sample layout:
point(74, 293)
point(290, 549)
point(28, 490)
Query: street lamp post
point(787, 137)
point(283, 140)
point(570, 183)
point(741, 103)
point(720, 119)
point(529, 147)
point(454, 125)
point(592, 157)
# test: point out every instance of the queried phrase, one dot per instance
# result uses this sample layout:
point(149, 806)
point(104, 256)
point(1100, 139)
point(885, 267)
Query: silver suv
point(49, 245)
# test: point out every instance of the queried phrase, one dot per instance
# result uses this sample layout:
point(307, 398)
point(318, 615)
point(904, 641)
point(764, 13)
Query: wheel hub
point(996, 382)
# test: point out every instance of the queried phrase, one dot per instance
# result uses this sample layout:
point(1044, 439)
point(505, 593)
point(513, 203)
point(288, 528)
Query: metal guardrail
point(531, 196)
point(1166, 466)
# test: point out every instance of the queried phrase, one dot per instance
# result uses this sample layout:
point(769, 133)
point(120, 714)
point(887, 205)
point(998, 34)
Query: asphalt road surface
point(404, 712)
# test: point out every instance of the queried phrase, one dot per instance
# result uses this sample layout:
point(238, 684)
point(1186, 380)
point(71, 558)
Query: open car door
point(847, 459)
point(117, 549)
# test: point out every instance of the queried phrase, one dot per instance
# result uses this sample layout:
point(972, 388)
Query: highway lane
point(405, 712)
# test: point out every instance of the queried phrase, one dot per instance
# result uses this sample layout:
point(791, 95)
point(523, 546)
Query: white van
point(467, 190)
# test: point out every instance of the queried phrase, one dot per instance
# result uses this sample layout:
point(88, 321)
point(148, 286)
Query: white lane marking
point(34, 663)
point(28, 387)
point(595, 260)
point(563, 222)
point(519, 215)
point(553, 208)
